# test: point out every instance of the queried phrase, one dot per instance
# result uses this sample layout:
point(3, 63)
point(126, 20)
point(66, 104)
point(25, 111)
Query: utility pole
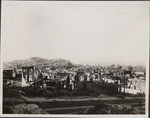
point(124, 84)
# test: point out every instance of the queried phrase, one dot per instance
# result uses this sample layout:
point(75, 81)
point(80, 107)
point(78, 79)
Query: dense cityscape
point(59, 86)
point(75, 58)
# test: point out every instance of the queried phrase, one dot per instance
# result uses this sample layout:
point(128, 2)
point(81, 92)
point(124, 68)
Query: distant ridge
point(54, 63)
point(37, 61)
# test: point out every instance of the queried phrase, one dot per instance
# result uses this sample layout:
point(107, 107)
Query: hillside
point(37, 61)
point(54, 63)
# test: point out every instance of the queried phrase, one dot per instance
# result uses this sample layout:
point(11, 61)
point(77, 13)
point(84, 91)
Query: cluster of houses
point(43, 77)
point(136, 84)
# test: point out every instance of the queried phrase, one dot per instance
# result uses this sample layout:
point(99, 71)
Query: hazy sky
point(83, 32)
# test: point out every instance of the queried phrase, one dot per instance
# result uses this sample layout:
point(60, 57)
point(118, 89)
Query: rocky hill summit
point(37, 61)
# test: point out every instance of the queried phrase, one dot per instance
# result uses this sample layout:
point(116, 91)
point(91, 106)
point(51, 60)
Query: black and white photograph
point(75, 58)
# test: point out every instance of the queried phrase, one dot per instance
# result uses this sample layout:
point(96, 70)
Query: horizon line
point(84, 64)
